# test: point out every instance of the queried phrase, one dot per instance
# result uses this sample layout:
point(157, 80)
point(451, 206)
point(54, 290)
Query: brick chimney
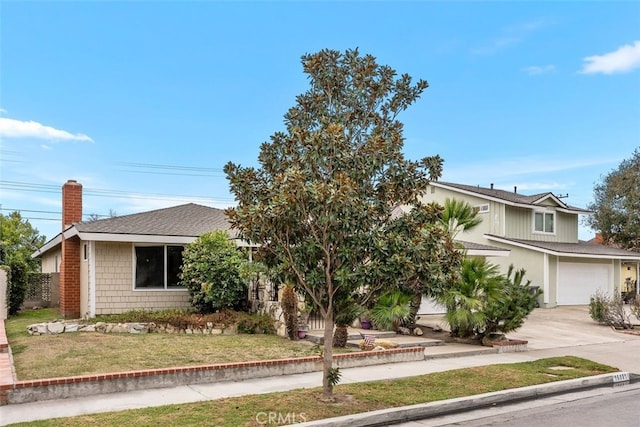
point(70, 266)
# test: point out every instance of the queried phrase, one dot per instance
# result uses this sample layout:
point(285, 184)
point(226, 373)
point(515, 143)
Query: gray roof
point(190, 220)
point(580, 248)
point(509, 196)
point(479, 247)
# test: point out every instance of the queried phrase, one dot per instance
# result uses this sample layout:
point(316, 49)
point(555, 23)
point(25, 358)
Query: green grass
point(69, 354)
point(306, 405)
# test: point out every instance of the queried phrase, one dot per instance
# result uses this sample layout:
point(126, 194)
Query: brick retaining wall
point(12, 391)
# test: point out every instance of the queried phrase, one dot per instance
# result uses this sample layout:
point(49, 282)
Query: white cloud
point(46, 147)
point(3, 111)
point(534, 70)
point(11, 128)
point(511, 36)
point(623, 60)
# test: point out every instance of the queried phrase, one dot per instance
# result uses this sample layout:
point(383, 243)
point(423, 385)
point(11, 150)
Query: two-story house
point(541, 233)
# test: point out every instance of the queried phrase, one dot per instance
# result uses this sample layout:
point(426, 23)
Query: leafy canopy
point(321, 203)
point(616, 206)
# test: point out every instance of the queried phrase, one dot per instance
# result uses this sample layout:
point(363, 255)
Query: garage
point(578, 281)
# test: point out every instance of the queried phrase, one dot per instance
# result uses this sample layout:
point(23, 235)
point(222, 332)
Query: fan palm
point(480, 284)
point(391, 310)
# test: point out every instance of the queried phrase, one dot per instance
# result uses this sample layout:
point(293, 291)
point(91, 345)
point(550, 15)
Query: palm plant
point(459, 216)
point(347, 312)
point(480, 284)
point(391, 310)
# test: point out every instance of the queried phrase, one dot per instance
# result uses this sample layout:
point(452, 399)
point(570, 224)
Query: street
point(613, 406)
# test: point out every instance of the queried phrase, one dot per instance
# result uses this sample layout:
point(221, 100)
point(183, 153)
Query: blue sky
point(144, 102)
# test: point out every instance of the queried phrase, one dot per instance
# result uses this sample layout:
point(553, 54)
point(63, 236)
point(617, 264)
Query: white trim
point(47, 246)
point(488, 252)
point(92, 279)
point(545, 278)
point(544, 213)
point(482, 208)
point(562, 254)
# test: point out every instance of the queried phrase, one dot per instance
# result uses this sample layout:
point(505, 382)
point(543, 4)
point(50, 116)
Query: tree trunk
point(414, 306)
point(327, 360)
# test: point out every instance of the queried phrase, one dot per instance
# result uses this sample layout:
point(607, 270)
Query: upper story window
point(158, 267)
point(481, 208)
point(544, 222)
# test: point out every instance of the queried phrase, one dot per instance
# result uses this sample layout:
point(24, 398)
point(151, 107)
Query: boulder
point(418, 332)
point(55, 327)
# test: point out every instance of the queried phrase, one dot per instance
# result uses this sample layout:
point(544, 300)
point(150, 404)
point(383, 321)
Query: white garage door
point(578, 281)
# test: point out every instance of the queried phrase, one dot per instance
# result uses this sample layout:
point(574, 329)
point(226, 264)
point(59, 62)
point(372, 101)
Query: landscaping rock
point(404, 331)
point(418, 332)
point(71, 327)
point(55, 327)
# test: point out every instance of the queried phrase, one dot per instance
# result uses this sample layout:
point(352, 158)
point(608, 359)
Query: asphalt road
point(603, 407)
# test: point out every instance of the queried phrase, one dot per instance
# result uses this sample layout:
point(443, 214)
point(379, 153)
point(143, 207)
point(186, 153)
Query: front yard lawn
point(69, 354)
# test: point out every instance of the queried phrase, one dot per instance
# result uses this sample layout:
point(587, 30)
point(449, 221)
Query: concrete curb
point(421, 411)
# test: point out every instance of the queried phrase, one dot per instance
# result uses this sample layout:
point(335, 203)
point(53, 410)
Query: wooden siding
point(114, 284)
point(519, 225)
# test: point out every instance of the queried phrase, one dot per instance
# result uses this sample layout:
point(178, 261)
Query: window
point(543, 222)
point(85, 254)
point(481, 208)
point(158, 267)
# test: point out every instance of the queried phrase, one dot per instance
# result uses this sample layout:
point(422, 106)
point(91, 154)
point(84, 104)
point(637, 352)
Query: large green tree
point(18, 240)
point(321, 203)
point(616, 206)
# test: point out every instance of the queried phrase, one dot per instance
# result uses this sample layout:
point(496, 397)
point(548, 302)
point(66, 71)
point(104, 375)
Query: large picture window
point(158, 267)
point(543, 222)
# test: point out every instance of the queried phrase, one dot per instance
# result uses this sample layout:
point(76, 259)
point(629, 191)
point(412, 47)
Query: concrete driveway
point(566, 326)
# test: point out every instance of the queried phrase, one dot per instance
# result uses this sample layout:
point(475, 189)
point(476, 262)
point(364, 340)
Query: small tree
point(322, 201)
point(212, 270)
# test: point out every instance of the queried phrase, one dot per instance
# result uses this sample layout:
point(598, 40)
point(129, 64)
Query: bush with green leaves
point(484, 302)
point(212, 269)
point(391, 311)
point(17, 285)
point(508, 313)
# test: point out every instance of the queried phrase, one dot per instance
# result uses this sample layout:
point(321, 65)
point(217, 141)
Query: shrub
point(391, 310)
point(212, 269)
point(479, 286)
point(508, 313)
point(256, 324)
point(609, 310)
point(598, 303)
point(16, 286)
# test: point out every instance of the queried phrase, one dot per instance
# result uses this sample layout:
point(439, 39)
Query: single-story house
point(123, 263)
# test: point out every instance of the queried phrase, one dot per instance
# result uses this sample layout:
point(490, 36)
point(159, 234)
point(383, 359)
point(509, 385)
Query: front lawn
point(305, 405)
point(69, 354)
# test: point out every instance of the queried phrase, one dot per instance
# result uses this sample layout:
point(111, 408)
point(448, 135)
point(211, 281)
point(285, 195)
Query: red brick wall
point(70, 266)
point(71, 203)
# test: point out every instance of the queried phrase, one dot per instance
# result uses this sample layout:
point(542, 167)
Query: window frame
point(482, 208)
point(544, 214)
point(165, 250)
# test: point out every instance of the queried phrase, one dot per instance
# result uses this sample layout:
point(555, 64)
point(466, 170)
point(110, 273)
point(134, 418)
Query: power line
point(46, 188)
